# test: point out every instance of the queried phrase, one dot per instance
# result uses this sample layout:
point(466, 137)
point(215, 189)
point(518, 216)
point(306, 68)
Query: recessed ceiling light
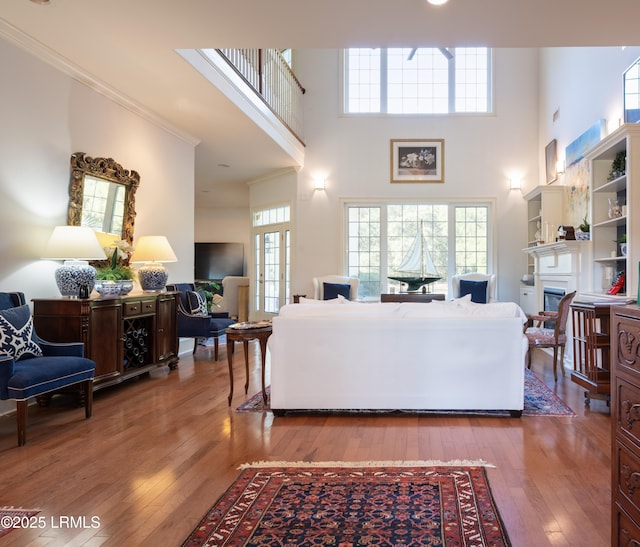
point(223, 165)
point(437, 2)
point(42, 2)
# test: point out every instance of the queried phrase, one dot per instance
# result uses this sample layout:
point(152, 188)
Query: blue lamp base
point(72, 275)
point(153, 277)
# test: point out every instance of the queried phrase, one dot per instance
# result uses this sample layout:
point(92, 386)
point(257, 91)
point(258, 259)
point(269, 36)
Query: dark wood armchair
point(556, 337)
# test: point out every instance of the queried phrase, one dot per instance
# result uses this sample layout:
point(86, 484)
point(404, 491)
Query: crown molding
point(64, 65)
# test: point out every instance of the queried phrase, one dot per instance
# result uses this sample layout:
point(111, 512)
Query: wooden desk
point(244, 335)
point(591, 345)
point(410, 297)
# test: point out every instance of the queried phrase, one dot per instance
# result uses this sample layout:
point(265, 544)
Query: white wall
point(223, 225)
point(45, 116)
point(480, 154)
point(583, 85)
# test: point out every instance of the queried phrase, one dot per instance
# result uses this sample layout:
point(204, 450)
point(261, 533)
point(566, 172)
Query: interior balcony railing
point(267, 72)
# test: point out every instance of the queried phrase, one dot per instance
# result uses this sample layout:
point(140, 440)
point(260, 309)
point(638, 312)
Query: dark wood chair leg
point(529, 352)
point(22, 409)
point(215, 348)
point(555, 363)
point(88, 398)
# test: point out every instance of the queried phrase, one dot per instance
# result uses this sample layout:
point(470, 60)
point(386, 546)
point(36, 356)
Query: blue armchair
point(30, 366)
point(195, 324)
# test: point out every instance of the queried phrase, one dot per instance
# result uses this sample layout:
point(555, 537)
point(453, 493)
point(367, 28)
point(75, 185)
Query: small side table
point(244, 335)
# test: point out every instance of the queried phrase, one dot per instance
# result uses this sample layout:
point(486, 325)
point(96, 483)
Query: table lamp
point(153, 251)
point(76, 245)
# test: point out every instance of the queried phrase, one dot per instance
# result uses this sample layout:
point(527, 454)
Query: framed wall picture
point(417, 160)
point(551, 159)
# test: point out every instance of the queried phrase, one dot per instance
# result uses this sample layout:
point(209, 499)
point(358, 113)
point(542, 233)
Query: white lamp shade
point(153, 249)
point(73, 242)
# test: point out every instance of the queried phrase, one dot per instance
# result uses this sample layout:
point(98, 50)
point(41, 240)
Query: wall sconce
point(319, 183)
point(515, 183)
point(560, 167)
point(76, 245)
point(153, 251)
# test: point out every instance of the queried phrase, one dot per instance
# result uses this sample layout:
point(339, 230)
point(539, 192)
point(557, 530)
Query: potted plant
point(618, 165)
point(583, 231)
point(622, 241)
point(114, 276)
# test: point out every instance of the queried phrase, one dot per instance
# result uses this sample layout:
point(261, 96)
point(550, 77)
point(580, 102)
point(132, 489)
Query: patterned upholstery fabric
point(539, 336)
point(197, 304)
point(16, 333)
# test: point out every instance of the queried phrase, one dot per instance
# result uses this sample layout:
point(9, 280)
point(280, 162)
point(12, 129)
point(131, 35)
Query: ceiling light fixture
point(437, 2)
point(42, 2)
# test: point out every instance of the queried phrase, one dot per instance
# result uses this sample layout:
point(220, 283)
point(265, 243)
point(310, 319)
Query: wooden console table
point(411, 297)
point(591, 344)
point(125, 335)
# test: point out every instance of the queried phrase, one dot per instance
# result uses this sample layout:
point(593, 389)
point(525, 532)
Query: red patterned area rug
point(11, 518)
point(539, 400)
point(349, 504)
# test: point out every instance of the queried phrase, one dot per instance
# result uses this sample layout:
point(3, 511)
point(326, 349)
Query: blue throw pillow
point(477, 290)
point(16, 333)
point(332, 290)
point(197, 303)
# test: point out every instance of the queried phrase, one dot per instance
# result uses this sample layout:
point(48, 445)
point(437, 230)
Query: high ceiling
point(130, 46)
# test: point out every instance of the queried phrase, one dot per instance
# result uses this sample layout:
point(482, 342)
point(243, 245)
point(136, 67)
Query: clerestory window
point(417, 80)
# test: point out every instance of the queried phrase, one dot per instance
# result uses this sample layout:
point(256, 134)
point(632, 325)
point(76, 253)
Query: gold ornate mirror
point(102, 195)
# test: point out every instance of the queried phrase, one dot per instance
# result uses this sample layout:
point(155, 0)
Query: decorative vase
point(623, 249)
point(126, 286)
point(114, 288)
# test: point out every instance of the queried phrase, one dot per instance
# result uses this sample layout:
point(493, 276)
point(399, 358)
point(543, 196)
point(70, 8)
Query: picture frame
point(551, 160)
point(417, 160)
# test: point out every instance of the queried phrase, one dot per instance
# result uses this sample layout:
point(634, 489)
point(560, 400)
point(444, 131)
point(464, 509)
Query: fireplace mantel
point(561, 265)
point(558, 247)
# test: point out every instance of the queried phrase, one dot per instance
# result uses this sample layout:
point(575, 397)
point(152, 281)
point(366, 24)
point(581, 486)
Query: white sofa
point(453, 355)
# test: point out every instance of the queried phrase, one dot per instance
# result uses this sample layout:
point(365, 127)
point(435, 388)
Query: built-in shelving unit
point(545, 209)
point(608, 226)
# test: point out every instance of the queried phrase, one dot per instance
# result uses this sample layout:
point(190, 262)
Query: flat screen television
point(214, 261)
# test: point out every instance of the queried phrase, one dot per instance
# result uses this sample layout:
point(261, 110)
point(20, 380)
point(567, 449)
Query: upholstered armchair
point(194, 321)
point(481, 287)
point(230, 296)
point(328, 287)
point(30, 366)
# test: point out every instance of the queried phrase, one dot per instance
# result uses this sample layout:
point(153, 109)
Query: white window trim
point(492, 248)
point(345, 114)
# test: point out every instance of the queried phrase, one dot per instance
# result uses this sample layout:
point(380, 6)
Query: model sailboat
point(417, 265)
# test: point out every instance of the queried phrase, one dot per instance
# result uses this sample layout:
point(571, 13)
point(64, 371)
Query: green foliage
point(619, 162)
point(114, 273)
point(584, 226)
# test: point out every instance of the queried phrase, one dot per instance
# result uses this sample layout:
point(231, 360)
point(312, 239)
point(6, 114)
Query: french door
point(272, 254)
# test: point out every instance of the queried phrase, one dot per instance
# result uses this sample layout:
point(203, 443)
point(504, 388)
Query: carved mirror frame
point(106, 169)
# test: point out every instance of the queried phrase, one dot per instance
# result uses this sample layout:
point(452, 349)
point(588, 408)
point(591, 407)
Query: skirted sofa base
point(444, 356)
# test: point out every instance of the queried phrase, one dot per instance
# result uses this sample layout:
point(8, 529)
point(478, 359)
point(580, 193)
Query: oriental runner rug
point(12, 518)
point(539, 400)
point(349, 504)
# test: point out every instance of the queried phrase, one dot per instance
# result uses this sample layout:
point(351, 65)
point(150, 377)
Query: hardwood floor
point(159, 451)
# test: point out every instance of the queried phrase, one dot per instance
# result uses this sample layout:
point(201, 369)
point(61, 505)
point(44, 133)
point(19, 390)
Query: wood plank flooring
point(159, 451)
